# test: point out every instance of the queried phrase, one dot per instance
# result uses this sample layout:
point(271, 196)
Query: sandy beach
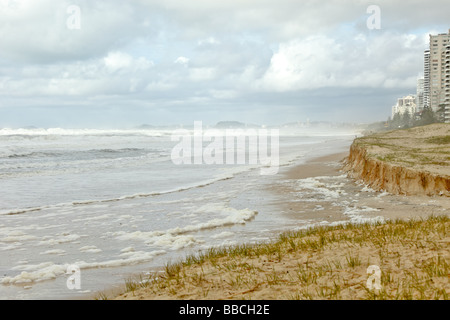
point(409, 244)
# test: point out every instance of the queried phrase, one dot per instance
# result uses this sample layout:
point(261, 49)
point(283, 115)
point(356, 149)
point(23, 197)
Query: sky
point(112, 63)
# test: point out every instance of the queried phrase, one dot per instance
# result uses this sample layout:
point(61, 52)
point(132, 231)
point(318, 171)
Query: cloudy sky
point(119, 63)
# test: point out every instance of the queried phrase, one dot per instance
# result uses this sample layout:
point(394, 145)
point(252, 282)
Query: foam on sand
point(176, 238)
point(55, 251)
point(90, 249)
point(35, 273)
point(322, 189)
point(49, 270)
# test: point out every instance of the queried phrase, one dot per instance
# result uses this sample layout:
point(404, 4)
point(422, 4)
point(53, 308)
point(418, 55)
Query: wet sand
point(387, 205)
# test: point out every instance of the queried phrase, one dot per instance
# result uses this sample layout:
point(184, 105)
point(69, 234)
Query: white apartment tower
point(405, 104)
point(447, 83)
point(437, 74)
point(426, 79)
point(420, 94)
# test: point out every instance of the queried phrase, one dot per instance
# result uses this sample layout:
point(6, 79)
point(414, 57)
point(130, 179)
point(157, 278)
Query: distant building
point(446, 56)
point(405, 104)
point(437, 74)
point(426, 79)
point(420, 95)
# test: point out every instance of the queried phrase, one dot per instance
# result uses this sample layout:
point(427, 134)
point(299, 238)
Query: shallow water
point(113, 204)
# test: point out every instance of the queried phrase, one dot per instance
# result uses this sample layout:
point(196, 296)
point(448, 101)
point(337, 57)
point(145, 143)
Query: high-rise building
point(426, 79)
point(447, 84)
point(419, 94)
point(437, 74)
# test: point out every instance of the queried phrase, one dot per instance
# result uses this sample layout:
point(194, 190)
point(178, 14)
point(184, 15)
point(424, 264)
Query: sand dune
point(413, 162)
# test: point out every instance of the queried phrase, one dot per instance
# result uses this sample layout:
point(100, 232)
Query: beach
point(405, 237)
point(212, 150)
point(135, 231)
point(377, 203)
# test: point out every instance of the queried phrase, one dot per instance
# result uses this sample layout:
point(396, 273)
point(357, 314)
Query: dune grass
point(413, 147)
point(325, 262)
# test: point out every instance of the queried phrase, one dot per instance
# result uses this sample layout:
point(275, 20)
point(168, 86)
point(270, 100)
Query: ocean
point(113, 203)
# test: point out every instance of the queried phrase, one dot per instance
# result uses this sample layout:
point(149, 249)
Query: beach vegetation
point(322, 262)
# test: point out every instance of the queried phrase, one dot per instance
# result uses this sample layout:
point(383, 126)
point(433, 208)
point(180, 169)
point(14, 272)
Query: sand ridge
point(413, 161)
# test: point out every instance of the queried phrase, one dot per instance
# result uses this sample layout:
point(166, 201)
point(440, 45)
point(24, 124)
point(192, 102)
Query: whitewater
point(113, 203)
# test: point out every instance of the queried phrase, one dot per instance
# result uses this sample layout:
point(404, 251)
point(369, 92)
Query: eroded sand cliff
point(412, 161)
